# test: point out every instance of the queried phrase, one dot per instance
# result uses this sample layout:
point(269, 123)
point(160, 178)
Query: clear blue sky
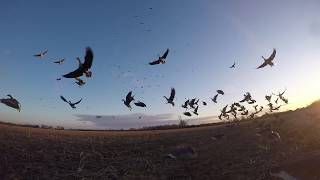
point(205, 37)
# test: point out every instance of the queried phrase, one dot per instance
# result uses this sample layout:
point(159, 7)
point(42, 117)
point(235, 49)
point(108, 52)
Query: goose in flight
point(161, 60)
point(41, 54)
point(128, 100)
point(59, 61)
point(220, 92)
point(83, 67)
point(233, 65)
point(269, 60)
point(214, 99)
point(195, 111)
point(193, 102)
point(171, 98)
point(185, 105)
point(187, 114)
point(80, 82)
point(204, 103)
point(140, 104)
point(72, 105)
point(268, 98)
point(11, 102)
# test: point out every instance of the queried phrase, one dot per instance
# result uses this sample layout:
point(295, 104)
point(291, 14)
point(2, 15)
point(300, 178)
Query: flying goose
point(269, 60)
point(171, 98)
point(41, 54)
point(185, 105)
point(140, 104)
point(214, 99)
point(161, 60)
point(59, 61)
point(233, 65)
point(11, 102)
point(83, 67)
point(187, 113)
point(195, 111)
point(128, 100)
point(72, 105)
point(204, 103)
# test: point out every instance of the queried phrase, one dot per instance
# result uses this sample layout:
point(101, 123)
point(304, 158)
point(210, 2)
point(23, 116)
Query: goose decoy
point(128, 100)
point(11, 102)
point(185, 105)
point(161, 60)
point(72, 105)
point(41, 54)
point(83, 67)
point(195, 111)
point(171, 98)
point(140, 104)
point(187, 114)
point(214, 99)
point(59, 62)
point(220, 92)
point(233, 65)
point(269, 60)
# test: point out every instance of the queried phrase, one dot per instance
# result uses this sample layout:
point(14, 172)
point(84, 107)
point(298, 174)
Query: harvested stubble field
point(245, 152)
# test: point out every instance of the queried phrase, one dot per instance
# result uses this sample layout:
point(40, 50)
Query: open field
point(245, 152)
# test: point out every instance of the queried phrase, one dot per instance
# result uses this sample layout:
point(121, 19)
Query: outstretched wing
point(44, 52)
point(273, 55)
point(262, 65)
point(155, 62)
point(165, 54)
point(173, 93)
point(128, 97)
point(88, 59)
point(76, 73)
point(63, 99)
point(78, 102)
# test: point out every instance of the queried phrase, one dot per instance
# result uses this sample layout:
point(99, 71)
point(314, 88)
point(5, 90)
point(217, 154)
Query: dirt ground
point(247, 151)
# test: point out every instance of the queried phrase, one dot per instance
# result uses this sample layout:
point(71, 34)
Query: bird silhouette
point(233, 65)
point(41, 54)
point(195, 111)
point(72, 105)
point(268, 98)
point(140, 104)
point(192, 103)
point(171, 98)
point(220, 92)
point(161, 60)
point(58, 79)
point(214, 99)
point(268, 61)
point(187, 113)
point(185, 105)
point(59, 61)
point(83, 67)
point(204, 103)
point(11, 102)
point(128, 100)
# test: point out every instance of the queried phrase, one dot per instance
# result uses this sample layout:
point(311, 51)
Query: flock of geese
point(190, 106)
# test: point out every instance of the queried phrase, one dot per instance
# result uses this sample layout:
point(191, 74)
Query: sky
point(205, 37)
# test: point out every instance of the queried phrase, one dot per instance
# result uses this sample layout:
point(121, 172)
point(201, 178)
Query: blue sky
point(205, 38)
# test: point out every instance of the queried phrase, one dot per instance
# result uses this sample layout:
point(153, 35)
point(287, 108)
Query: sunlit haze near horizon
point(204, 37)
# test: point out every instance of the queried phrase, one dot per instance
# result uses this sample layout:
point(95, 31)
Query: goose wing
point(173, 93)
point(63, 99)
point(155, 62)
point(273, 55)
point(165, 54)
point(88, 59)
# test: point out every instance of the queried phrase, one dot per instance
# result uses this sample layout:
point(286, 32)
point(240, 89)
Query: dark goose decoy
point(72, 105)
point(171, 98)
point(83, 67)
point(128, 100)
point(269, 60)
point(11, 102)
point(41, 54)
point(161, 60)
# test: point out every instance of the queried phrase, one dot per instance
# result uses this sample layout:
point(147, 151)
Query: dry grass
point(244, 153)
